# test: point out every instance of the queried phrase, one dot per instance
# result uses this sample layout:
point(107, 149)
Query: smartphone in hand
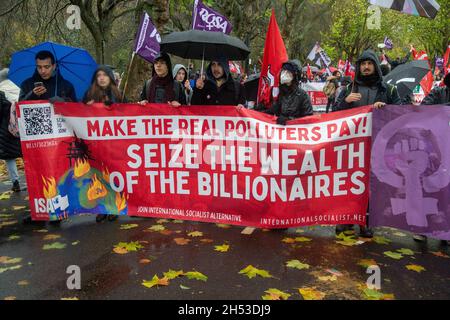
point(38, 84)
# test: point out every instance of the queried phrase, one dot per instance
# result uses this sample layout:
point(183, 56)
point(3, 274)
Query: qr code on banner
point(38, 121)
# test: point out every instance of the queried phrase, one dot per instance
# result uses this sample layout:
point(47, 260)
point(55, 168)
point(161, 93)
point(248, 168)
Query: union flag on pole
point(274, 56)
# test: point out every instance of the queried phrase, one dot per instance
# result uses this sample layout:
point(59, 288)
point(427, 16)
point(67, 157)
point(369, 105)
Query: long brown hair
point(98, 94)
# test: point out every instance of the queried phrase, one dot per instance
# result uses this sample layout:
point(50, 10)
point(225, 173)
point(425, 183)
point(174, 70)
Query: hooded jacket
point(160, 94)
point(177, 68)
point(56, 86)
point(229, 93)
point(439, 95)
point(293, 102)
point(379, 91)
point(9, 145)
point(111, 98)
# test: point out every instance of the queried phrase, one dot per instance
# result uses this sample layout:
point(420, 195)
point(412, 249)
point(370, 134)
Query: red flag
point(341, 65)
point(427, 81)
point(309, 73)
point(274, 56)
point(446, 60)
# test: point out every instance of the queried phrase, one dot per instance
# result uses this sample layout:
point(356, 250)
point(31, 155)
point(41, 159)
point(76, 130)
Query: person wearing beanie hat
point(162, 88)
point(103, 88)
point(218, 87)
point(180, 74)
point(439, 95)
point(293, 102)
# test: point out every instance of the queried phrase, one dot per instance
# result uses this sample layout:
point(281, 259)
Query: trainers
point(343, 227)
point(420, 238)
point(101, 217)
point(16, 186)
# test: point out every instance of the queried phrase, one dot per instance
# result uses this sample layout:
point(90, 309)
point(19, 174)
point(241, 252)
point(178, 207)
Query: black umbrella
point(407, 76)
point(204, 45)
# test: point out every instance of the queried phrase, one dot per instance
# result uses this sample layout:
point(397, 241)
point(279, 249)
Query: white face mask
point(286, 77)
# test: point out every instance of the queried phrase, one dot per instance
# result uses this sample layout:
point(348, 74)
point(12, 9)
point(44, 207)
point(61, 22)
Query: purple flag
point(206, 19)
point(388, 43)
point(439, 63)
point(147, 40)
point(410, 182)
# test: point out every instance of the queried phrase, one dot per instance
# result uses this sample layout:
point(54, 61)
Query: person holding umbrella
point(218, 87)
point(162, 88)
point(47, 82)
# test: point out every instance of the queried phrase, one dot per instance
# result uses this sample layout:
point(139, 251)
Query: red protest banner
point(210, 164)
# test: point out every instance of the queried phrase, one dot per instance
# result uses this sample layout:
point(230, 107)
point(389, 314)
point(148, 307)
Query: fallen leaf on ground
point(195, 234)
point(8, 260)
point(415, 267)
point(10, 298)
point(54, 246)
point(157, 227)
point(184, 287)
point(125, 247)
point(16, 208)
point(13, 237)
point(172, 274)
point(70, 299)
point(275, 294)
point(223, 226)
point(297, 264)
point(128, 226)
point(366, 263)
point(334, 272)
point(10, 268)
point(166, 232)
point(5, 195)
point(288, 240)
point(207, 240)
point(51, 237)
point(161, 221)
point(222, 248)
point(145, 261)
point(23, 283)
point(393, 255)
point(311, 294)
point(440, 254)
point(196, 275)
point(327, 278)
point(372, 294)
point(406, 252)
point(251, 272)
point(155, 282)
point(302, 239)
point(75, 243)
point(181, 241)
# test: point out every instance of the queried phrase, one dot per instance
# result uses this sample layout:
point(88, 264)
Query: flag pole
point(128, 75)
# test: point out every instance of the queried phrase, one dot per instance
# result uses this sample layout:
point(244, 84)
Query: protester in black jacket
point(218, 88)
point(9, 145)
point(162, 88)
point(47, 82)
point(368, 88)
point(439, 95)
point(293, 102)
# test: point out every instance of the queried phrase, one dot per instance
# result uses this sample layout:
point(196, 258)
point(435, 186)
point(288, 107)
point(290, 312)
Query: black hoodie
point(372, 89)
point(230, 93)
point(56, 86)
point(439, 95)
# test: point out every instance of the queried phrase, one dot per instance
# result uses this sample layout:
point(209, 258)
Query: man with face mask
point(293, 102)
point(368, 87)
point(218, 88)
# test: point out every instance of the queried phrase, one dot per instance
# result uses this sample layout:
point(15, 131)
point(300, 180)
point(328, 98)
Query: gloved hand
point(281, 120)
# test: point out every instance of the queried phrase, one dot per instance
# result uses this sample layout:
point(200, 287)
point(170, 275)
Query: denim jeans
point(12, 170)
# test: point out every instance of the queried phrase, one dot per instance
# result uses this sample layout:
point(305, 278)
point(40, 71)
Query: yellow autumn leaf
point(155, 282)
point(222, 248)
point(275, 294)
point(181, 241)
point(195, 234)
point(311, 294)
point(415, 267)
point(251, 272)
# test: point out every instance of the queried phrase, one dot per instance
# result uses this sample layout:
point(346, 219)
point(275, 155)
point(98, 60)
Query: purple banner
point(147, 40)
point(439, 63)
point(206, 19)
point(410, 179)
point(388, 43)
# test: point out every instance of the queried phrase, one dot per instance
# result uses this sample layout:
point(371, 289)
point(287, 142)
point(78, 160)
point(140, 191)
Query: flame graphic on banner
point(121, 201)
point(97, 190)
point(81, 168)
point(49, 187)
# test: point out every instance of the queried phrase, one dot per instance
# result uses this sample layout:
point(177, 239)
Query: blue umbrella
point(74, 64)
